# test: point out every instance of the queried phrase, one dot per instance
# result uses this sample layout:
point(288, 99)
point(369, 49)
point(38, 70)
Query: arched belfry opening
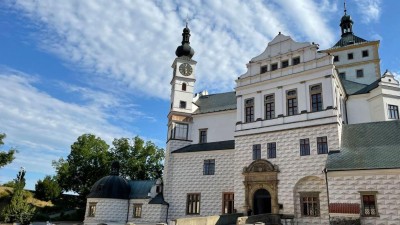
point(261, 187)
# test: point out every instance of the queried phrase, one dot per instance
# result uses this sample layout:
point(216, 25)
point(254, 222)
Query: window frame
point(271, 150)
point(350, 56)
point(263, 69)
point(336, 58)
point(295, 60)
point(284, 63)
point(305, 147)
point(316, 208)
point(342, 75)
point(193, 203)
point(202, 135)
point(256, 151)
point(322, 145)
point(359, 73)
point(363, 53)
point(274, 66)
point(269, 106)
point(92, 209)
point(393, 111)
point(182, 104)
point(375, 203)
point(291, 103)
point(175, 127)
point(209, 167)
point(184, 86)
point(249, 110)
point(135, 207)
point(316, 98)
point(228, 198)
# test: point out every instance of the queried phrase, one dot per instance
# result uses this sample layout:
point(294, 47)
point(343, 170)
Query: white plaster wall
point(292, 166)
point(220, 126)
point(151, 213)
point(369, 73)
point(345, 187)
point(108, 210)
point(188, 178)
point(358, 109)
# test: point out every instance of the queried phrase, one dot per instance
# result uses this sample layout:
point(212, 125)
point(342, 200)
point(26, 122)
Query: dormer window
point(184, 87)
point(264, 69)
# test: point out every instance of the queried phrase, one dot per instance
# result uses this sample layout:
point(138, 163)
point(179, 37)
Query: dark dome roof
point(112, 186)
point(185, 49)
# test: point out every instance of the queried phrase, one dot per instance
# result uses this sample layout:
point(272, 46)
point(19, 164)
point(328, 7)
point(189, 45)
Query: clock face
point(185, 69)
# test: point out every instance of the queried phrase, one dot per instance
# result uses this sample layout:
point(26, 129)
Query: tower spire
point(345, 10)
point(185, 49)
point(346, 23)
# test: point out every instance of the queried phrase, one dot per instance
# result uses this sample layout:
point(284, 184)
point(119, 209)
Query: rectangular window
point(271, 148)
point(92, 209)
point(274, 66)
point(179, 131)
point(182, 104)
point(193, 204)
point(296, 61)
point(285, 63)
point(264, 69)
point(316, 98)
point(365, 53)
point(360, 73)
point(228, 203)
point(393, 112)
point(291, 97)
point(336, 58)
point(309, 203)
point(209, 167)
point(342, 75)
point(322, 145)
point(203, 136)
point(256, 152)
point(350, 56)
point(269, 102)
point(369, 205)
point(249, 110)
point(137, 210)
point(304, 147)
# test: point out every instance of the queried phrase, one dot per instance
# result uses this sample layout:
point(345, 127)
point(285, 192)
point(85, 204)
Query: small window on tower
point(365, 53)
point(184, 87)
point(350, 56)
point(336, 58)
point(360, 73)
point(182, 104)
point(342, 75)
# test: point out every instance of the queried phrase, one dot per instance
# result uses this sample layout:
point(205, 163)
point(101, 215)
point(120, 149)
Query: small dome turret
point(112, 186)
point(185, 49)
point(346, 23)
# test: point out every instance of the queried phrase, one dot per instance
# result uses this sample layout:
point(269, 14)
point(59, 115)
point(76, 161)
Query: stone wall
point(151, 213)
point(108, 210)
point(187, 170)
point(345, 187)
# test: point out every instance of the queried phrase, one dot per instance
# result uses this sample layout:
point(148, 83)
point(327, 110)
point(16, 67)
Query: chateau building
point(310, 134)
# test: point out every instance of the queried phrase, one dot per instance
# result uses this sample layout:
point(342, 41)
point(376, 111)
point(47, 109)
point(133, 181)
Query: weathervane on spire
point(345, 10)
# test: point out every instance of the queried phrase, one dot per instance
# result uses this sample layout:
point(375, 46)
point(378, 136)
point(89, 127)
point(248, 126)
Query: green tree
point(139, 160)
point(88, 161)
point(19, 210)
point(47, 189)
point(6, 157)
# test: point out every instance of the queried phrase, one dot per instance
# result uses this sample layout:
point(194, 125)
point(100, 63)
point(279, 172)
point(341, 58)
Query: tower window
point(336, 58)
point(249, 110)
point(365, 53)
point(350, 56)
point(393, 112)
point(322, 145)
point(179, 131)
point(256, 152)
point(342, 75)
point(264, 69)
point(316, 98)
point(296, 61)
point(209, 167)
point(304, 147)
point(203, 136)
point(182, 104)
point(269, 107)
point(285, 63)
point(291, 97)
point(274, 66)
point(360, 73)
point(184, 87)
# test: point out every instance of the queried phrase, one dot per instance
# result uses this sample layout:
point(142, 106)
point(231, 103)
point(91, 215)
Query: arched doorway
point(261, 202)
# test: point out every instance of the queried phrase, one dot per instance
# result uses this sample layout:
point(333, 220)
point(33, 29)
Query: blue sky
point(104, 67)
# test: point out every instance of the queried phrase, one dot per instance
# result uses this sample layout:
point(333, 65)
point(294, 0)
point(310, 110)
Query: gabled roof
point(348, 39)
point(367, 146)
point(211, 146)
point(216, 102)
point(140, 188)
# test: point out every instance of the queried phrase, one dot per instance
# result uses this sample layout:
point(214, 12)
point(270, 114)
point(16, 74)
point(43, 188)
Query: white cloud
point(43, 127)
point(132, 43)
point(369, 9)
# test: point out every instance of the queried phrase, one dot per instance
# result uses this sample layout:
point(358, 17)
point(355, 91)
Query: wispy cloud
point(369, 9)
point(132, 43)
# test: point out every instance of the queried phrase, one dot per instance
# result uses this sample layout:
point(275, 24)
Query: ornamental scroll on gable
point(260, 165)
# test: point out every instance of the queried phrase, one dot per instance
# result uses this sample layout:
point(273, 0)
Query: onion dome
point(185, 49)
point(111, 186)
